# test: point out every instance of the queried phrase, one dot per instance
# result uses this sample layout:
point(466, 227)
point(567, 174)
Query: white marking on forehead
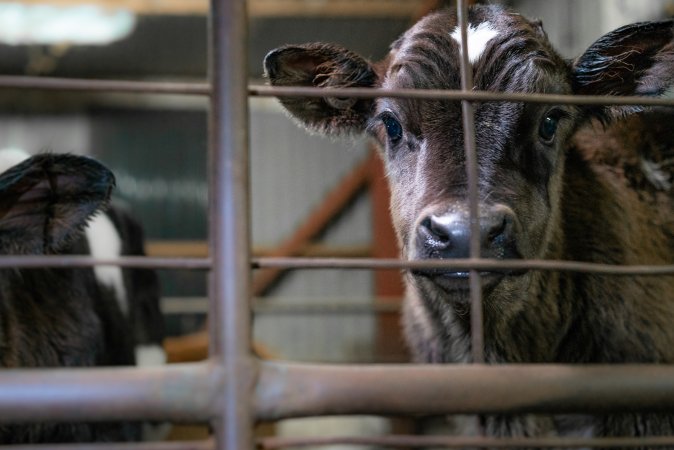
point(478, 38)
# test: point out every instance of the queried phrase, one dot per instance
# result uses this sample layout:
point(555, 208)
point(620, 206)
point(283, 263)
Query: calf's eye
point(393, 128)
point(548, 127)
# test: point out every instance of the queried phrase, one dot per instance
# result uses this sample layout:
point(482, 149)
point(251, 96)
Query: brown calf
point(553, 185)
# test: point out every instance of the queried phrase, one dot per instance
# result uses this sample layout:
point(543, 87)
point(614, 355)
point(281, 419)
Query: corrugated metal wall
point(291, 173)
point(45, 132)
point(572, 25)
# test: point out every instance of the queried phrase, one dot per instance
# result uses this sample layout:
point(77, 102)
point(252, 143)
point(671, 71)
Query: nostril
point(499, 239)
point(498, 229)
point(439, 230)
point(433, 236)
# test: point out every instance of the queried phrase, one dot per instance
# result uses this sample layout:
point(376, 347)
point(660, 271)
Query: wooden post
point(388, 283)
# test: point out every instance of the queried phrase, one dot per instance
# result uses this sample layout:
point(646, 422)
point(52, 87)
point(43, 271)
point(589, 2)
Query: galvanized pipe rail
point(36, 261)
point(181, 392)
point(207, 444)
point(473, 195)
point(299, 263)
point(407, 441)
point(229, 241)
point(204, 89)
point(106, 86)
point(457, 95)
point(464, 264)
point(191, 392)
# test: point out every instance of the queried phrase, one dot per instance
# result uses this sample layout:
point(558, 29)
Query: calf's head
point(520, 147)
point(46, 200)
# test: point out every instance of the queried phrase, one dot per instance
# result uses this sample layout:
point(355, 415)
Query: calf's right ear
point(47, 199)
point(326, 66)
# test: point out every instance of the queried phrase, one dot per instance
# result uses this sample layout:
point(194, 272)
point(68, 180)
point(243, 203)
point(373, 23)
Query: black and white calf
point(70, 317)
point(553, 184)
point(113, 233)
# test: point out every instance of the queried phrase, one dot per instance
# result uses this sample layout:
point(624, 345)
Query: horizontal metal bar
point(60, 261)
point(204, 89)
point(287, 390)
point(462, 264)
point(407, 441)
point(180, 392)
point(199, 248)
point(30, 261)
point(337, 8)
point(183, 445)
point(274, 8)
point(90, 85)
point(330, 308)
point(187, 392)
point(286, 305)
point(440, 94)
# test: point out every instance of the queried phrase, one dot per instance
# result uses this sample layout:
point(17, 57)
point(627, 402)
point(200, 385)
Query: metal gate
point(232, 389)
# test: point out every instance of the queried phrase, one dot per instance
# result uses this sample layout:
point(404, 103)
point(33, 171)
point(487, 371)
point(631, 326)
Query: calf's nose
point(447, 236)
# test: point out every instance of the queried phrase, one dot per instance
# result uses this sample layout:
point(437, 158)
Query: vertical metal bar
point(468, 113)
point(229, 318)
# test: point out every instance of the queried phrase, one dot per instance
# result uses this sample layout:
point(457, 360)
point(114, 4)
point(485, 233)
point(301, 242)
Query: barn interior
point(310, 196)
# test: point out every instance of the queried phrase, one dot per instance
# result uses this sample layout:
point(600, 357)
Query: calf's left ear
point(325, 66)
point(636, 59)
point(47, 199)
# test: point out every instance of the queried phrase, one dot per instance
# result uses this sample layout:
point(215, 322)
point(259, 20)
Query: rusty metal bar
point(118, 86)
point(183, 445)
point(37, 261)
point(287, 390)
point(470, 151)
point(229, 282)
point(190, 392)
point(179, 392)
point(204, 89)
point(297, 263)
point(463, 264)
point(410, 441)
point(337, 305)
point(457, 95)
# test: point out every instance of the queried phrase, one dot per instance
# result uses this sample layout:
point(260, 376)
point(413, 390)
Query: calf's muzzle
point(445, 234)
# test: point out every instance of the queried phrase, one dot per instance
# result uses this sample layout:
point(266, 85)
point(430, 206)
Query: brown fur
point(575, 191)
